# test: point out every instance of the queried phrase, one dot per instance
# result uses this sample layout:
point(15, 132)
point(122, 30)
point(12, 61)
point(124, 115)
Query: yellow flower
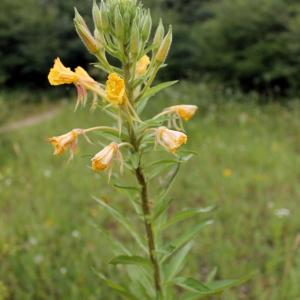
point(59, 74)
point(170, 139)
point(142, 65)
point(103, 159)
point(227, 172)
point(66, 141)
point(115, 89)
point(185, 112)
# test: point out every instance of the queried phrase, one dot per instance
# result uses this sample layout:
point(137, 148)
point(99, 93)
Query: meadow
point(51, 239)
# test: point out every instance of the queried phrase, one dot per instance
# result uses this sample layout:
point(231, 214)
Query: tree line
point(250, 44)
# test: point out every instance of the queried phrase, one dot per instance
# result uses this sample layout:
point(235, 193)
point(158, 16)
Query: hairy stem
point(148, 226)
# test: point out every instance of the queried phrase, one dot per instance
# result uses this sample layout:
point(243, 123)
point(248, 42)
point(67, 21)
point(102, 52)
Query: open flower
point(142, 65)
point(185, 112)
point(66, 141)
point(115, 89)
point(103, 160)
point(59, 74)
point(170, 139)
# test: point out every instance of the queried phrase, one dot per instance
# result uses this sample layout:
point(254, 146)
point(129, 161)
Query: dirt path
point(30, 121)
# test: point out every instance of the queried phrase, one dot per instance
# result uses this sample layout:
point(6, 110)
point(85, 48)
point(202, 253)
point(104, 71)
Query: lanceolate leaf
point(177, 262)
point(184, 238)
point(130, 260)
point(142, 102)
point(184, 215)
point(198, 288)
point(156, 89)
point(120, 289)
point(124, 222)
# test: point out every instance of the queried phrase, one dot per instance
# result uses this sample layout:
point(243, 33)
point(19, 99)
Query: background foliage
point(252, 44)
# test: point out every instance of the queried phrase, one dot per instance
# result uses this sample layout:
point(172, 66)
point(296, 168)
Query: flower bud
point(142, 65)
point(134, 40)
point(85, 34)
point(104, 17)
point(159, 34)
point(164, 48)
point(96, 15)
point(147, 27)
point(119, 25)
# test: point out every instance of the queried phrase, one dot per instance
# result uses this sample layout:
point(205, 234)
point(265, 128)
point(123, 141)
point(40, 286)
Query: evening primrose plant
point(123, 34)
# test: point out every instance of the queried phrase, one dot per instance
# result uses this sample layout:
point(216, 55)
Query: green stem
point(146, 207)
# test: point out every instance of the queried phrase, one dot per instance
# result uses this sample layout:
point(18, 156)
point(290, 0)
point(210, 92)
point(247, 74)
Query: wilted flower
point(86, 82)
point(170, 139)
point(66, 141)
point(185, 112)
point(142, 65)
point(115, 89)
point(103, 160)
point(59, 74)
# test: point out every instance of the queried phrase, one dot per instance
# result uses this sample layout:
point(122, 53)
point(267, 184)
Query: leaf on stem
point(177, 262)
point(130, 260)
point(184, 238)
point(121, 219)
point(185, 215)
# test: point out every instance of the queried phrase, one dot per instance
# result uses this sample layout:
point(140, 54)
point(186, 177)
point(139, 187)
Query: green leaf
point(121, 219)
point(159, 167)
point(120, 289)
point(142, 102)
point(185, 238)
point(184, 215)
point(156, 89)
point(199, 288)
point(129, 260)
point(177, 262)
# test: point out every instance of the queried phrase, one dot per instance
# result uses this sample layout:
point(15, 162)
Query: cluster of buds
point(122, 29)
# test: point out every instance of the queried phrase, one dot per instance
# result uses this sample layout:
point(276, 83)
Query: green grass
point(50, 248)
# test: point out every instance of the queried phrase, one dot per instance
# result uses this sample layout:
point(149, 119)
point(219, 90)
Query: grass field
point(248, 165)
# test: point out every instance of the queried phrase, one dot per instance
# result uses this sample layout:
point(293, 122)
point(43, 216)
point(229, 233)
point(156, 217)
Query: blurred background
point(239, 61)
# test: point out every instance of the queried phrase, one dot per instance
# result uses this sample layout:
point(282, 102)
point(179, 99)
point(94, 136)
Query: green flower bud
point(164, 48)
point(159, 35)
point(104, 17)
point(134, 40)
point(85, 34)
point(96, 16)
point(119, 25)
point(147, 26)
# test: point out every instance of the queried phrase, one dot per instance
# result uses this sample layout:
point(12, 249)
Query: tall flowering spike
point(103, 160)
point(59, 74)
point(66, 141)
point(170, 139)
point(185, 112)
point(115, 89)
point(142, 65)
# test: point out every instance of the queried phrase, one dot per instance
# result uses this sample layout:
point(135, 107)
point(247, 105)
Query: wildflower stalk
point(144, 195)
point(122, 30)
